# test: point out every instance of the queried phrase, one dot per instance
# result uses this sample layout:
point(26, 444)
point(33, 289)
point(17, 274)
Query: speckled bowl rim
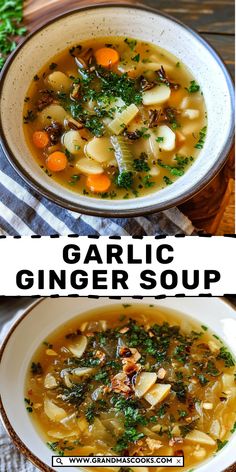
point(149, 209)
point(22, 448)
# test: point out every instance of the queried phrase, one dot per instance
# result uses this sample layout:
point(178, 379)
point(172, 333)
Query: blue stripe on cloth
point(8, 230)
point(26, 212)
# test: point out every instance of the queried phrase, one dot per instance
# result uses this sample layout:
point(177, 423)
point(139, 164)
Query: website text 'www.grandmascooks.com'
point(104, 461)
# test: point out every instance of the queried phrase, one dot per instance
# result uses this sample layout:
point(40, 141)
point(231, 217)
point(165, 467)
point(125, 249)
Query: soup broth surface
point(133, 380)
point(115, 118)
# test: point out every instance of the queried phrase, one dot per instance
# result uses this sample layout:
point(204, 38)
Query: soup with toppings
point(133, 380)
point(115, 118)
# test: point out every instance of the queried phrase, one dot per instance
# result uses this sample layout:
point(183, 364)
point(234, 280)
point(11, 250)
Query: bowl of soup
point(116, 121)
point(130, 378)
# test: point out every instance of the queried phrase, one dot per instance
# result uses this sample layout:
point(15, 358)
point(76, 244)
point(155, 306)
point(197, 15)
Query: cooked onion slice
point(53, 412)
point(79, 346)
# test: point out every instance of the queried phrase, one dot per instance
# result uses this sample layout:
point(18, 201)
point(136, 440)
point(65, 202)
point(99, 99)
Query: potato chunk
point(100, 149)
point(79, 346)
point(52, 113)
point(157, 393)
point(53, 412)
point(73, 141)
point(168, 142)
point(144, 382)
point(199, 437)
point(58, 81)
point(157, 95)
point(190, 113)
point(89, 166)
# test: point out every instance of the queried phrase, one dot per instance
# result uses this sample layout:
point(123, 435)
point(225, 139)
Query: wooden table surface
point(213, 208)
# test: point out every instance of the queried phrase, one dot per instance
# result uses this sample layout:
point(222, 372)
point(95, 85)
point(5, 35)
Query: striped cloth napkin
point(24, 212)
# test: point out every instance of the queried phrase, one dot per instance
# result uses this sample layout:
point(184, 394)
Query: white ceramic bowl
point(121, 20)
point(46, 315)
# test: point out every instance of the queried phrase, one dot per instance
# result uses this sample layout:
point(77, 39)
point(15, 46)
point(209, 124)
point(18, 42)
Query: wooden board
point(213, 208)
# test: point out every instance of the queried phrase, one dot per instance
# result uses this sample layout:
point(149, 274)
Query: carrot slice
point(107, 57)
point(98, 182)
point(40, 139)
point(56, 161)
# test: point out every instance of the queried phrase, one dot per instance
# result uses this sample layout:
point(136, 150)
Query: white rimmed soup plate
point(48, 314)
point(134, 21)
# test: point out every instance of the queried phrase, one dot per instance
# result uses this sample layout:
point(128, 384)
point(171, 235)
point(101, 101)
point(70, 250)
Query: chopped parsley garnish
point(202, 379)
point(53, 66)
point(90, 413)
point(136, 58)
point(131, 43)
point(202, 137)
point(193, 87)
point(147, 182)
point(29, 117)
point(220, 444)
point(29, 404)
point(226, 356)
point(234, 428)
point(167, 180)
point(36, 368)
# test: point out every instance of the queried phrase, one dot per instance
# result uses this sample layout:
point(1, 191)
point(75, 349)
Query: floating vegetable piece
point(123, 119)
point(58, 81)
point(98, 183)
point(157, 393)
point(50, 381)
point(83, 371)
point(199, 437)
point(100, 149)
point(106, 57)
point(52, 113)
point(40, 139)
point(61, 434)
point(168, 141)
point(144, 382)
point(56, 161)
point(53, 412)
point(79, 346)
point(88, 166)
point(73, 142)
point(157, 95)
point(123, 153)
point(191, 114)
